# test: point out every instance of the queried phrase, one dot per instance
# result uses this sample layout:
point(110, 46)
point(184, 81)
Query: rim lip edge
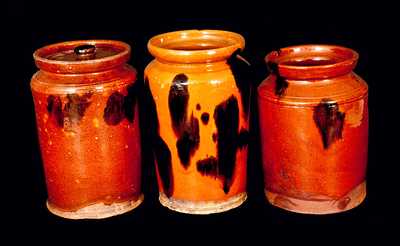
point(41, 61)
point(349, 62)
point(195, 56)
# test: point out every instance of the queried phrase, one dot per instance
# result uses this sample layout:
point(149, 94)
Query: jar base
point(203, 207)
point(319, 206)
point(97, 210)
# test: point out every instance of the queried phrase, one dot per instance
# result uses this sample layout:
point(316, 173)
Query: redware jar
point(314, 129)
point(198, 101)
point(85, 102)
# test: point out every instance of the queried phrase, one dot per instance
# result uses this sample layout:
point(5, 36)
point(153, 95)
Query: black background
point(266, 26)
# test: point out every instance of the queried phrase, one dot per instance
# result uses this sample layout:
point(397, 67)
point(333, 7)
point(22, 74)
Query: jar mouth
point(195, 46)
point(313, 61)
point(58, 57)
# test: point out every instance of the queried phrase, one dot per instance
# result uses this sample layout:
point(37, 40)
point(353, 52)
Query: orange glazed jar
point(87, 118)
point(199, 101)
point(313, 113)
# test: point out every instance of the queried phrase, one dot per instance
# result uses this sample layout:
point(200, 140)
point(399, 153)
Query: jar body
point(90, 150)
point(201, 140)
point(314, 143)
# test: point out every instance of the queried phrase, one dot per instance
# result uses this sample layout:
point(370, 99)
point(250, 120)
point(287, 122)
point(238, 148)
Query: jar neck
point(45, 80)
point(84, 78)
point(193, 67)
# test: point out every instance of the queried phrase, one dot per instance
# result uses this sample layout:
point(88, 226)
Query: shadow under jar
point(313, 113)
point(198, 103)
point(87, 119)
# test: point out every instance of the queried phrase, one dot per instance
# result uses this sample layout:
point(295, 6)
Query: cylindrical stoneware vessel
point(198, 97)
point(87, 119)
point(314, 129)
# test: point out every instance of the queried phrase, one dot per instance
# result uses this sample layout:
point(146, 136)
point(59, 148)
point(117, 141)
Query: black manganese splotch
point(242, 73)
point(114, 111)
point(178, 99)
point(226, 116)
point(130, 101)
point(329, 121)
point(280, 82)
point(160, 149)
point(205, 117)
point(208, 166)
point(55, 110)
point(189, 141)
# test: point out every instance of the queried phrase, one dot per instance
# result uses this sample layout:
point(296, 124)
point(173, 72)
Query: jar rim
point(195, 46)
point(42, 60)
point(313, 61)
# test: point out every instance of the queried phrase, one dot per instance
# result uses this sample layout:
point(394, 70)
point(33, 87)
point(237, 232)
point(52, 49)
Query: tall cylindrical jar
point(198, 101)
point(314, 129)
point(87, 120)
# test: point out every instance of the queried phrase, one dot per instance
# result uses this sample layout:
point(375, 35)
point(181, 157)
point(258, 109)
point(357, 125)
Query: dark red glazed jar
point(314, 129)
point(87, 119)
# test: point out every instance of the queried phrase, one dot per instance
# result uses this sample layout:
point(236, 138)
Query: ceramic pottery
point(198, 99)
point(313, 113)
point(87, 119)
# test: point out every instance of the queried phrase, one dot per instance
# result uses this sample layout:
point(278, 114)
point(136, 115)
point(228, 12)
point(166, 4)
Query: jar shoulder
point(61, 83)
point(163, 74)
point(341, 89)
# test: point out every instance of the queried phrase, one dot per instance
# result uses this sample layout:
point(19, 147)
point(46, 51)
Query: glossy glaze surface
point(201, 115)
point(88, 128)
point(314, 129)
